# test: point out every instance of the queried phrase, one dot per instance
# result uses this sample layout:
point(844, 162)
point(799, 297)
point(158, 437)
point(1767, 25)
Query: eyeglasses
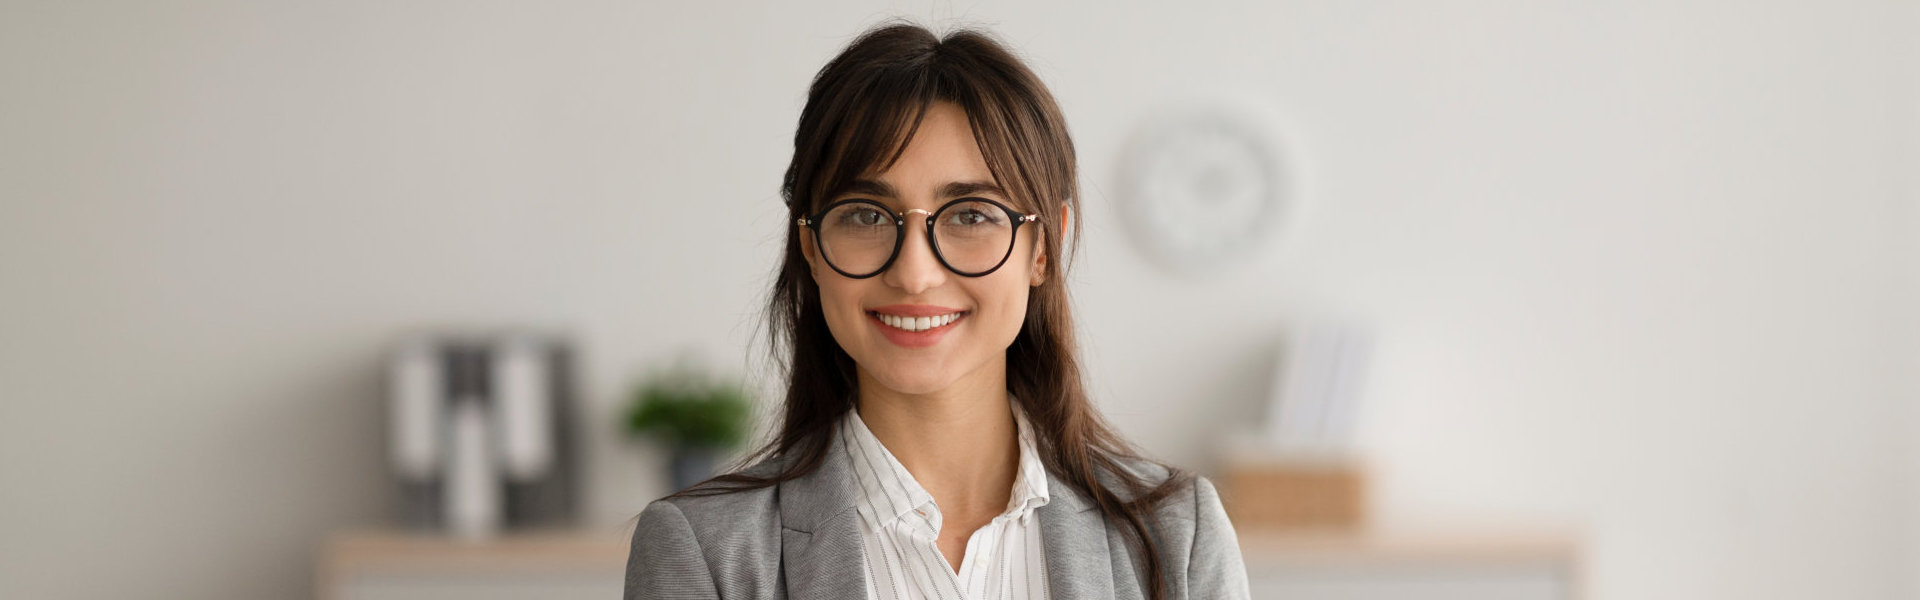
point(971, 236)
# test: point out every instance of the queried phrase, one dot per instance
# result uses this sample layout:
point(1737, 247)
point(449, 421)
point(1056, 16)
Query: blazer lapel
point(821, 548)
point(1074, 536)
point(820, 545)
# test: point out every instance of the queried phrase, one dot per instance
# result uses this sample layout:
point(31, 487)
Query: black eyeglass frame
point(900, 233)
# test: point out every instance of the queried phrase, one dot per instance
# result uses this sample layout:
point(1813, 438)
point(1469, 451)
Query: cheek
point(833, 303)
point(839, 304)
point(1009, 298)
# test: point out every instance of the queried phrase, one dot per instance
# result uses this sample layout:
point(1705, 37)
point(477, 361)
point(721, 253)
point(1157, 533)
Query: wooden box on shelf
point(1279, 490)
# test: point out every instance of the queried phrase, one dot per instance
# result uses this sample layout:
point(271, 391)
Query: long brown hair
point(861, 111)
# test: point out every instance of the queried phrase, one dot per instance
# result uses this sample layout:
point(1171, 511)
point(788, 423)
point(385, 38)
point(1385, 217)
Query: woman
point(936, 441)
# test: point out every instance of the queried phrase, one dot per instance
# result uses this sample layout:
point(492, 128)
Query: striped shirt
point(900, 524)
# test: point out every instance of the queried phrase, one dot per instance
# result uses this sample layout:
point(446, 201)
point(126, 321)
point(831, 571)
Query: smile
point(918, 323)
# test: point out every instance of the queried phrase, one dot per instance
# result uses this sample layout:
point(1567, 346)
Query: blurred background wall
point(1646, 268)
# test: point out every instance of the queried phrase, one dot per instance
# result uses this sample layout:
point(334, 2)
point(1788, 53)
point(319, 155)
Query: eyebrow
point(870, 187)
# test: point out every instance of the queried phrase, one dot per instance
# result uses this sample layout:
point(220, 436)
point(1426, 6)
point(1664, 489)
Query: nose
point(916, 269)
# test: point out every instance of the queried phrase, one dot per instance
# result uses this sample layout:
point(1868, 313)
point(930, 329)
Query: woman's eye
point(864, 217)
point(970, 217)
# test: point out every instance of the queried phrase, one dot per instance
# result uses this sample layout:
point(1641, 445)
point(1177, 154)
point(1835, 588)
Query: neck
point(961, 444)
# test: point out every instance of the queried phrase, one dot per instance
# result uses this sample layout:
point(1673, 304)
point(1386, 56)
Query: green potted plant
point(698, 416)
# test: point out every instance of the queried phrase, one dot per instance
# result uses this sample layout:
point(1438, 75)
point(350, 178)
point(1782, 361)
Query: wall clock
point(1204, 189)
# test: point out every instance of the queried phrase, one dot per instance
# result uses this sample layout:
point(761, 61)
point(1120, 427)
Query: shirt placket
point(982, 548)
point(918, 532)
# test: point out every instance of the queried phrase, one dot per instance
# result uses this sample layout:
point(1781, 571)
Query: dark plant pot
point(693, 464)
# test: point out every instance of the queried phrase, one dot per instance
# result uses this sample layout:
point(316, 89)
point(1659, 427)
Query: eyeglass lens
point(971, 237)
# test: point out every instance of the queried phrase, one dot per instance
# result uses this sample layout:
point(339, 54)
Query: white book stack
point(1317, 389)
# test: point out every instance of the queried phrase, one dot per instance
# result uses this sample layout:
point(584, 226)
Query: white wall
point(1633, 267)
point(1908, 244)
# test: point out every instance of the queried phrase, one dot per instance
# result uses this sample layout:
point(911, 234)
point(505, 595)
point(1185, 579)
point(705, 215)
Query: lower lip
point(914, 339)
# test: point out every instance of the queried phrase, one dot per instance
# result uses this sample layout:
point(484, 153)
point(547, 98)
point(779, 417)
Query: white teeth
point(918, 323)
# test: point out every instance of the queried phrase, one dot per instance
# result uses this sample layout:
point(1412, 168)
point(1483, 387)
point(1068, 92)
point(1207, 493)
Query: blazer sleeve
point(1215, 570)
point(666, 561)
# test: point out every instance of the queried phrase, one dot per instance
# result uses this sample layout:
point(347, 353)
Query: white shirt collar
point(888, 492)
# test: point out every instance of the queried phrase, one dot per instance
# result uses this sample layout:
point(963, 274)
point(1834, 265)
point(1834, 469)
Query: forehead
point(941, 145)
point(940, 158)
point(937, 147)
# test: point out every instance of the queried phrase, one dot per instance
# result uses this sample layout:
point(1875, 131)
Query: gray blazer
point(800, 540)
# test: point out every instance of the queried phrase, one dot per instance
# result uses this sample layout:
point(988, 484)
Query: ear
point(1039, 249)
point(806, 246)
point(1039, 260)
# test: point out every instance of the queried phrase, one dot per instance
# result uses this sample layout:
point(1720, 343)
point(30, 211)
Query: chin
point(914, 385)
point(911, 377)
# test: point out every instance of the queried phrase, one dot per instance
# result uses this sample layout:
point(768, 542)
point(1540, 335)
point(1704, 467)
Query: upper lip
point(915, 310)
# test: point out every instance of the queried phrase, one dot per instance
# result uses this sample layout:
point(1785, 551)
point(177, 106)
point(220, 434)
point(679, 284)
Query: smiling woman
point(937, 441)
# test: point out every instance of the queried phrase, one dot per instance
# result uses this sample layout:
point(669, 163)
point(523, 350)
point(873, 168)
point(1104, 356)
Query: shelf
point(394, 564)
point(1482, 564)
point(1469, 563)
point(1374, 546)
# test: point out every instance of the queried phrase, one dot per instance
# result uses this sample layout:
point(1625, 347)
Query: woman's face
point(971, 350)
